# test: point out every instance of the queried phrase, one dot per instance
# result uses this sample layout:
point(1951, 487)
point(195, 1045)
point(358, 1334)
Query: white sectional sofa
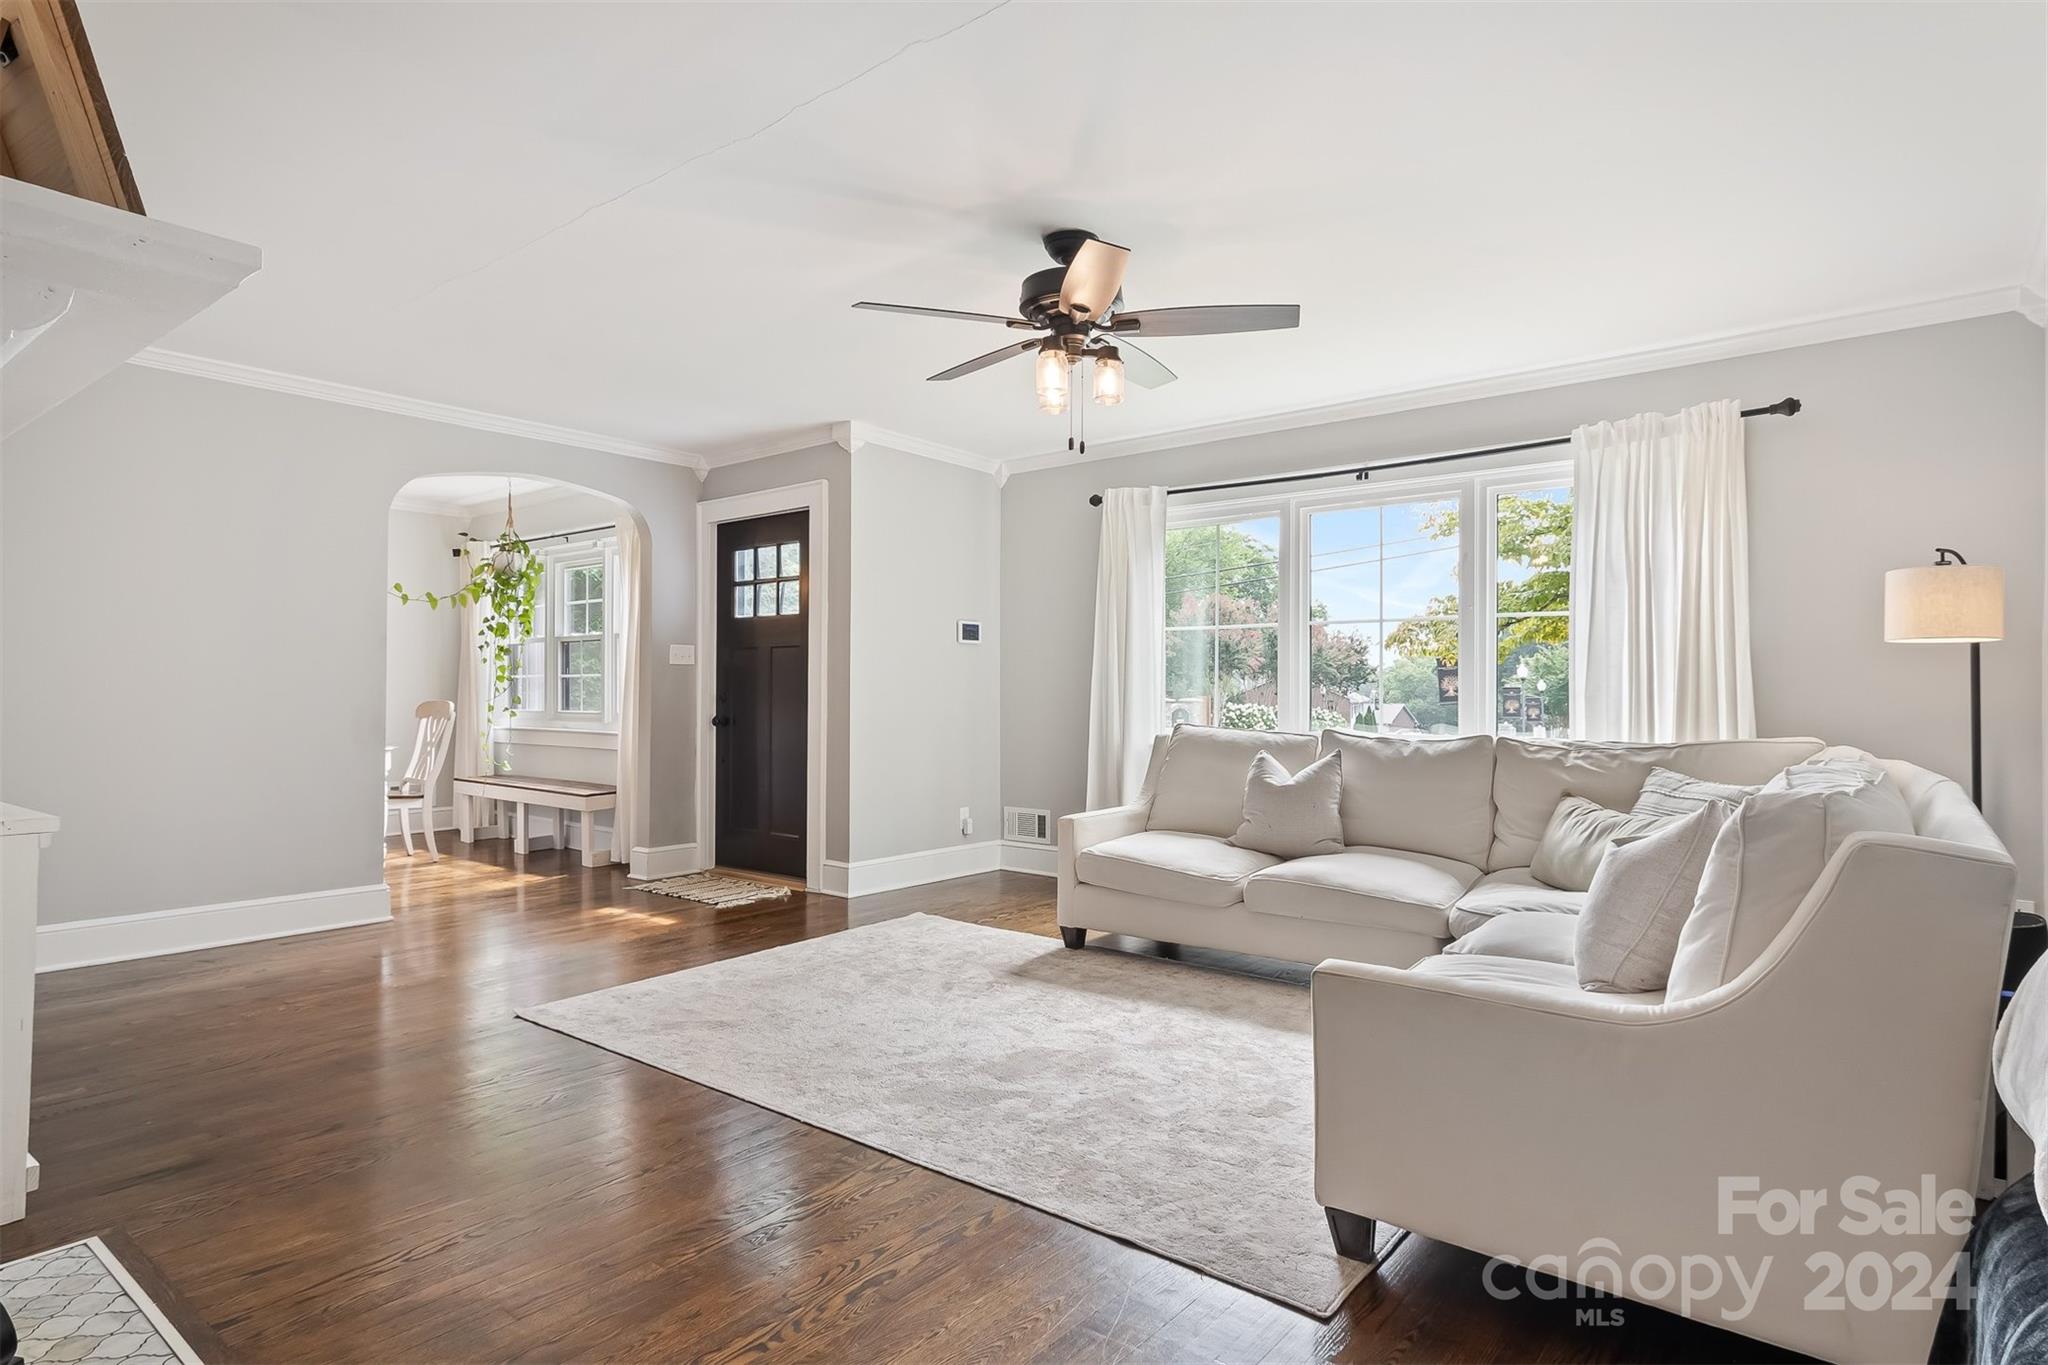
point(1469, 1090)
point(1438, 835)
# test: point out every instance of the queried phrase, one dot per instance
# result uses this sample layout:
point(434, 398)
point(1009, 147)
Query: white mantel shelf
point(84, 286)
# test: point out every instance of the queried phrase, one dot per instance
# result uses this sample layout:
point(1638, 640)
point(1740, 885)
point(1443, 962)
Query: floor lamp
point(1952, 601)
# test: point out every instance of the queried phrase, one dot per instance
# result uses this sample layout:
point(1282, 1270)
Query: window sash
point(547, 683)
point(1475, 495)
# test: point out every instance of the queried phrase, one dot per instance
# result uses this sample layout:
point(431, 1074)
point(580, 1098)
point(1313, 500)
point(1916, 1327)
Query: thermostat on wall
point(970, 632)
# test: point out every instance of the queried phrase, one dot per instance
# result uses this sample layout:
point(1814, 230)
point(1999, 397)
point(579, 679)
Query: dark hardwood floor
point(344, 1147)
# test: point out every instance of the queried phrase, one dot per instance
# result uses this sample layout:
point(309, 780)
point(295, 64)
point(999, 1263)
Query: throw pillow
point(1765, 860)
point(1293, 816)
point(1641, 897)
point(1670, 793)
point(1578, 836)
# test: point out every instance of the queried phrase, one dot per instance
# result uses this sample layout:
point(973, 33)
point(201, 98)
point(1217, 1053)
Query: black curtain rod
point(552, 535)
point(1784, 407)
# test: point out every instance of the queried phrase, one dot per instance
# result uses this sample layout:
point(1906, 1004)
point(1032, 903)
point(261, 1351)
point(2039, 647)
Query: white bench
point(557, 793)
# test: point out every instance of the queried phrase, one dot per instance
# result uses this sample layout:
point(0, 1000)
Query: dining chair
point(415, 791)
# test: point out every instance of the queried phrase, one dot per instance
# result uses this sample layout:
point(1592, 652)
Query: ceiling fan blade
point(1144, 369)
point(1093, 279)
point(982, 362)
point(944, 313)
point(1209, 321)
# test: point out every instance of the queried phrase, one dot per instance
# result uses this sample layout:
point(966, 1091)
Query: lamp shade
point(1944, 603)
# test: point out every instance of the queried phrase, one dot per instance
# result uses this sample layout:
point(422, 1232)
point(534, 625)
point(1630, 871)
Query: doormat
point(707, 889)
point(77, 1302)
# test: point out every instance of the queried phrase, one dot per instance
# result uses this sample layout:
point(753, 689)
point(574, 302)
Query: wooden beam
point(56, 125)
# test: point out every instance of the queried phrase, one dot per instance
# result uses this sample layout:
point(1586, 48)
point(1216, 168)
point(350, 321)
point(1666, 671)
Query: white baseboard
point(121, 938)
point(444, 818)
point(869, 875)
point(664, 860)
point(1040, 860)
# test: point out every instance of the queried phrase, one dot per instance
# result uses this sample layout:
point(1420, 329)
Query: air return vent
point(1027, 826)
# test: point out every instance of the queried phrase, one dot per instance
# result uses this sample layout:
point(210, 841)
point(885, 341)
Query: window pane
point(593, 615)
point(1534, 532)
point(1343, 676)
point(743, 600)
point(743, 565)
point(765, 557)
point(1190, 677)
point(1344, 564)
point(1533, 694)
point(1222, 612)
point(764, 601)
point(575, 622)
point(1419, 559)
point(789, 597)
point(792, 553)
point(1532, 690)
point(1418, 682)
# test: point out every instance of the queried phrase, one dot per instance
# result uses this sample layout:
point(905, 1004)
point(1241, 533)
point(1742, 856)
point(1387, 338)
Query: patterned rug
point(708, 889)
point(77, 1303)
point(1165, 1104)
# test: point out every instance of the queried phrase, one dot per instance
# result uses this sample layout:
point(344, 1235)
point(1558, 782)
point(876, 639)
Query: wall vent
point(1027, 826)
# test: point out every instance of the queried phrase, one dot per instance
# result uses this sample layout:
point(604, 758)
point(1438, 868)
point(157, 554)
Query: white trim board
point(663, 860)
point(256, 377)
point(814, 498)
point(155, 933)
point(444, 818)
point(1037, 860)
point(870, 875)
point(1837, 327)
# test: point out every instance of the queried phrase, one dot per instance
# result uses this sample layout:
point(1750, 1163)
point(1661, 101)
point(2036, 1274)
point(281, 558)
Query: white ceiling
point(466, 493)
point(647, 221)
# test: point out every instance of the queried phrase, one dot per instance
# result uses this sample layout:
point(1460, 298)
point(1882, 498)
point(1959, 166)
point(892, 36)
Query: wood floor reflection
point(344, 1147)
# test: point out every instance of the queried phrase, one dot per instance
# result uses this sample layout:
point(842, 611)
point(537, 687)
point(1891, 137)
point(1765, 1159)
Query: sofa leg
point(1352, 1234)
point(1073, 936)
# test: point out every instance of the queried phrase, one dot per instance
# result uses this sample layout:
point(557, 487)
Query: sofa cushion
point(1531, 776)
point(1389, 887)
point(1200, 785)
point(1515, 971)
point(1292, 816)
point(1427, 795)
point(1765, 859)
point(1198, 869)
point(1506, 892)
point(1522, 933)
point(1578, 837)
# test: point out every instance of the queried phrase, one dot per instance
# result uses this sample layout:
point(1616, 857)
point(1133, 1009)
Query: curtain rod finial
point(1095, 499)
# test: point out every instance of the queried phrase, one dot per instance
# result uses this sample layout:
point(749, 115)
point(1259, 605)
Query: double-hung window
point(565, 673)
point(1433, 606)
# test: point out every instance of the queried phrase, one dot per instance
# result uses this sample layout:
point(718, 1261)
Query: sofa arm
point(1528, 1123)
point(1085, 829)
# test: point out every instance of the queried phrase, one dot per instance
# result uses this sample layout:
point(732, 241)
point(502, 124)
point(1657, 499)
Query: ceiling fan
point(1078, 304)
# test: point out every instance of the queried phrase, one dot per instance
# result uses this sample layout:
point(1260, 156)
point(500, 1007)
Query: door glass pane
point(743, 600)
point(743, 565)
point(789, 597)
point(765, 557)
point(764, 601)
point(792, 554)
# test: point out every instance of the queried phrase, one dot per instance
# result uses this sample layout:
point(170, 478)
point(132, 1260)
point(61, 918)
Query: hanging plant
point(507, 582)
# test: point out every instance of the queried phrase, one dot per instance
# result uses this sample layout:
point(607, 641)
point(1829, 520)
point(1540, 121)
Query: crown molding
point(255, 377)
point(851, 436)
point(2033, 307)
point(1838, 327)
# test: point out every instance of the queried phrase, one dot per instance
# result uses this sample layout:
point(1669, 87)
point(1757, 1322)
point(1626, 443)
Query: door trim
point(809, 497)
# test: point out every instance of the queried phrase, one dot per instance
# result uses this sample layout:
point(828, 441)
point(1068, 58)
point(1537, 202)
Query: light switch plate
point(682, 654)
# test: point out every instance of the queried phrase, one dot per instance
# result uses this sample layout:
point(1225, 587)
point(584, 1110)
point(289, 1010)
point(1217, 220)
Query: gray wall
point(420, 643)
point(831, 464)
point(1909, 440)
point(925, 709)
point(194, 588)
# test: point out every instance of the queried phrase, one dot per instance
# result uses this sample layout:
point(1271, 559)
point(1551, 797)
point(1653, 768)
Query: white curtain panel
point(1660, 578)
point(630, 814)
point(1125, 695)
point(472, 740)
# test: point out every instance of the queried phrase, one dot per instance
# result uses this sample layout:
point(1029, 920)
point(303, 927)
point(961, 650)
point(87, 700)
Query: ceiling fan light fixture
point(1052, 379)
point(1109, 377)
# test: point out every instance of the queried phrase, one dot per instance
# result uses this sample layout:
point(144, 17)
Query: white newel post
point(23, 836)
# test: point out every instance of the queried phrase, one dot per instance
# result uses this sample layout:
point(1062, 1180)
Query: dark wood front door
point(762, 724)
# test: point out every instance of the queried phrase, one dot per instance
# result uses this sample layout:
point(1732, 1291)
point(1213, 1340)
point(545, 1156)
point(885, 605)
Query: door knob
point(720, 722)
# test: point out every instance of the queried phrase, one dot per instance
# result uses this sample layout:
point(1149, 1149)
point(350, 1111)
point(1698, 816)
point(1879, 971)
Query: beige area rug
point(708, 889)
point(1166, 1105)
